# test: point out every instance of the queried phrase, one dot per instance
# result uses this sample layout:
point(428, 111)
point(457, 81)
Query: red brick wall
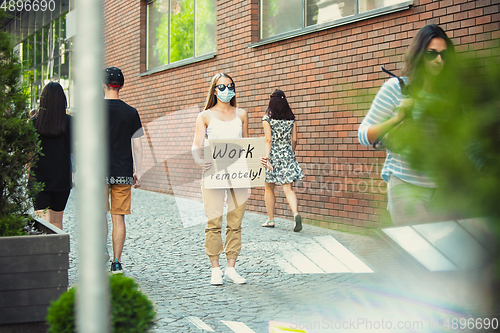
point(330, 78)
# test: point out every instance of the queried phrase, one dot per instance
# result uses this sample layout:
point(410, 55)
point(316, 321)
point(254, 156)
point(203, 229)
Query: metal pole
point(92, 305)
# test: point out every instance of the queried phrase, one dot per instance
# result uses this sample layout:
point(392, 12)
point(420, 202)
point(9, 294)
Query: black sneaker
point(116, 267)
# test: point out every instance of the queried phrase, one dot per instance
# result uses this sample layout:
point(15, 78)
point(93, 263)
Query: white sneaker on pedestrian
point(216, 277)
point(231, 276)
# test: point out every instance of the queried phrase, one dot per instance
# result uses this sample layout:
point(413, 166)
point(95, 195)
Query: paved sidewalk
point(317, 280)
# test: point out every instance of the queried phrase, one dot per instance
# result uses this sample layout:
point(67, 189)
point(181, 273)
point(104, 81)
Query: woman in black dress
point(53, 169)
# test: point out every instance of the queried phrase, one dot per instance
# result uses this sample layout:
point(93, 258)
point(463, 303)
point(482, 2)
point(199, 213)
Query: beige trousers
point(214, 202)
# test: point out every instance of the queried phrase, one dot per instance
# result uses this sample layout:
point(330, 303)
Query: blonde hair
point(211, 98)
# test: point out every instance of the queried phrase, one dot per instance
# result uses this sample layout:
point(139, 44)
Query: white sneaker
point(216, 277)
point(231, 276)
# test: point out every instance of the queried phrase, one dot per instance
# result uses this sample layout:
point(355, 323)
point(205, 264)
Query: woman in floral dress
point(281, 140)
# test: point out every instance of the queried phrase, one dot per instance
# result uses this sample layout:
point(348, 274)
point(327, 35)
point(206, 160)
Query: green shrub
point(132, 311)
point(61, 317)
point(19, 144)
point(12, 225)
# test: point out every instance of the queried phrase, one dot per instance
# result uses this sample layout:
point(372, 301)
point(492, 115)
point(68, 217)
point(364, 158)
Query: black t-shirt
point(124, 124)
point(54, 167)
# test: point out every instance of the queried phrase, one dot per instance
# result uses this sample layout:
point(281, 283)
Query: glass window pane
point(25, 24)
point(14, 32)
point(38, 18)
point(50, 45)
point(365, 5)
point(38, 73)
point(54, 69)
point(35, 98)
point(45, 73)
point(62, 26)
point(181, 29)
point(38, 48)
point(320, 11)
point(280, 16)
point(64, 70)
point(46, 42)
point(47, 16)
point(206, 26)
point(25, 54)
point(157, 51)
point(65, 6)
point(31, 51)
point(56, 36)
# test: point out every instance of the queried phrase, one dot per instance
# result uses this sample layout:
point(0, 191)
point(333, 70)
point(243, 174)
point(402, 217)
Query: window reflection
point(321, 11)
point(179, 29)
point(206, 26)
point(282, 16)
point(366, 5)
point(279, 16)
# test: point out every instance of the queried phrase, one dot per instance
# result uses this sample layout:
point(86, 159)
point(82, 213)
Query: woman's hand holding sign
point(265, 162)
point(205, 165)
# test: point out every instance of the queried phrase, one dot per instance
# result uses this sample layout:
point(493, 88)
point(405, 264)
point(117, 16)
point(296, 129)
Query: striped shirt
point(385, 106)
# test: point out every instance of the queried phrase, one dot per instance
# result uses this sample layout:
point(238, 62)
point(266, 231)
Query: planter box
point(33, 272)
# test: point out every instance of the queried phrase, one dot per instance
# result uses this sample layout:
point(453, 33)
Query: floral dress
point(286, 169)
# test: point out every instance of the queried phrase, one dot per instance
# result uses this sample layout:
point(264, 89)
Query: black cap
point(115, 75)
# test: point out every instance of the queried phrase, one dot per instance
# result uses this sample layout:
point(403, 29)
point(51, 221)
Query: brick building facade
point(330, 76)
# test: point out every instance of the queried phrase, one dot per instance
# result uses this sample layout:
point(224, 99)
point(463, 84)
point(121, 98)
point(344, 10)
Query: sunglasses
point(432, 54)
point(222, 87)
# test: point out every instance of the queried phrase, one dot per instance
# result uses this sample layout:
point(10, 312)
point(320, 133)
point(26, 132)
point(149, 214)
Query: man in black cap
point(125, 158)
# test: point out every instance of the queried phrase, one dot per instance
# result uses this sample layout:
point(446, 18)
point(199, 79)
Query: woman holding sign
point(281, 139)
point(221, 119)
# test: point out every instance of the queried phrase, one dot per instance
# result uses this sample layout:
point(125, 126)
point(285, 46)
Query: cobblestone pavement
point(164, 253)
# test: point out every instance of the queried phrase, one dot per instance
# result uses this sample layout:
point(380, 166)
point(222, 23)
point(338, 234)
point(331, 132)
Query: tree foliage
point(19, 144)
point(457, 143)
point(457, 139)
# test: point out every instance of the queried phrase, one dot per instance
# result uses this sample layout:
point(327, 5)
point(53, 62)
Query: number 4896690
point(28, 5)
point(471, 323)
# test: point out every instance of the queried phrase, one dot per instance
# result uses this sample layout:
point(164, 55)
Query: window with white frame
point(284, 16)
point(178, 30)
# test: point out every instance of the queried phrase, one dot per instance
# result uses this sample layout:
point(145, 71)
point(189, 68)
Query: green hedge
point(132, 311)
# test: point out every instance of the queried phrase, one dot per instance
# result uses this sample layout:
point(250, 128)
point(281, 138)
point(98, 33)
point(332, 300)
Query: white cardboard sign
point(236, 163)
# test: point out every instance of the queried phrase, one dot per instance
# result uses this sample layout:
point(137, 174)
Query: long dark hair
point(414, 57)
point(211, 98)
point(278, 107)
point(51, 119)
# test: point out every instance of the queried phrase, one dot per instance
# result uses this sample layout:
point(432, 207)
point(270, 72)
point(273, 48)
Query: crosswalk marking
point(324, 259)
point(238, 327)
point(286, 266)
point(200, 324)
point(322, 254)
point(301, 262)
point(344, 255)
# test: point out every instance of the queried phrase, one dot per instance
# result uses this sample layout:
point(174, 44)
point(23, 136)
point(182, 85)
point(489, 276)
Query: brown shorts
point(121, 196)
